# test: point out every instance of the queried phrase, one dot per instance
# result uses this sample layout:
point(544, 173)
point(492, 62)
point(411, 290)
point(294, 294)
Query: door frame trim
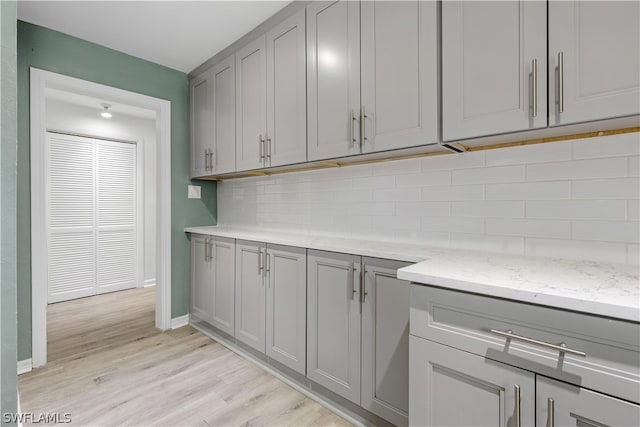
point(40, 80)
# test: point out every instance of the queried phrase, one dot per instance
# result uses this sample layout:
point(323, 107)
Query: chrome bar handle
point(363, 286)
point(267, 263)
point(206, 250)
point(560, 82)
point(353, 281)
point(261, 139)
point(206, 159)
point(363, 133)
point(534, 87)
point(562, 348)
point(260, 267)
point(551, 413)
point(518, 411)
point(268, 147)
point(352, 120)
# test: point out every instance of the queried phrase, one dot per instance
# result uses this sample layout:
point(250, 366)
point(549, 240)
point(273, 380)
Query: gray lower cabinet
point(250, 294)
point(385, 341)
point(594, 60)
point(450, 387)
point(212, 281)
point(561, 404)
point(286, 305)
point(333, 322)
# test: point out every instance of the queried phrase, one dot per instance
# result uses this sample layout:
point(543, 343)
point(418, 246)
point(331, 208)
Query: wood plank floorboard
point(109, 366)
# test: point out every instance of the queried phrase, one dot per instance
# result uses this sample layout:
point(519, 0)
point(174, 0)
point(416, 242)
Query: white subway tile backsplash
point(578, 169)
point(616, 188)
point(557, 190)
point(574, 199)
point(453, 192)
point(529, 227)
point(488, 208)
point(612, 231)
point(577, 209)
point(633, 254)
point(574, 249)
point(616, 145)
point(528, 154)
point(488, 175)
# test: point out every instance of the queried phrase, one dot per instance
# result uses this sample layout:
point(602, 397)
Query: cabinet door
point(488, 50)
point(200, 292)
point(250, 294)
point(251, 105)
point(224, 115)
point(287, 306)
point(385, 341)
point(576, 406)
point(201, 142)
point(600, 45)
point(286, 92)
point(223, 284)
point(333, 78)
point(399, 74)
point(333, 322)
point(450, 387)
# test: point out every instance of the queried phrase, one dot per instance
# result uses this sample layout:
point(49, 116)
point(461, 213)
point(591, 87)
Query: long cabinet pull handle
point(260, 262)
point(352, 120)
point(363, 286)
point(551, 413)
point(206, 159)
point(211, 159)
point(534, 87)
point(206, 250)
point(354, 273)
point(363, 134)
point(518, 411)
point(561, 82)
point(261, 143)
point(559, 347)
point(268, 147)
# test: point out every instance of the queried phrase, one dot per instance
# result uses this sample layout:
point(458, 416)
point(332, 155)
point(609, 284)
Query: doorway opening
point(100, 196)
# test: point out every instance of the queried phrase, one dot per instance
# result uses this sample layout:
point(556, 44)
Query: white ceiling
point(177, 34)
point(96, 103)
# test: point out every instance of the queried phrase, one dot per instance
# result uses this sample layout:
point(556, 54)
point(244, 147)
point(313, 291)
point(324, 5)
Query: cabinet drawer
point(464, 321)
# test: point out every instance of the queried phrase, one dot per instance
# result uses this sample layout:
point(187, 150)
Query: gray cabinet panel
point(488, 50)
point(449, 387)
point(600, 43)
point(286, 93)
point(286, 275)
point(333, 78)
point(250, 295)
point(251, 104)
point(333, 322)
point(399, 74)
point(385, 341)
point(224, 116)
point(200, 95)
point(200, 289)
point(575, 406)
point(223, 284)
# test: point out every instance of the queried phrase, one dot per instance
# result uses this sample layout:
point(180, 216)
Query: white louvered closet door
point(90, 216)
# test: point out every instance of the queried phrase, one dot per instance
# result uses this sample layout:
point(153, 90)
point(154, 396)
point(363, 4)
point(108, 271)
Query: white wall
point(572, 199)
point(62, 116)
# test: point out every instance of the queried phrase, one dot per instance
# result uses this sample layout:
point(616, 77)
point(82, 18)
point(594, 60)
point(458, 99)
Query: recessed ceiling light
point(106, 114)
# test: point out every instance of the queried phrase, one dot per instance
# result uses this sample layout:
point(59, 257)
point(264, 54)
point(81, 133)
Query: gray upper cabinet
point(286, 140)
point(399, 74)
point(494, 68)
point(201, 142)
point(200, 289)
point(223, 157)
point(250, 294)
point(594, 57)
point(449, 387)
point(286, 275)
point(385, 341)
point(333, 322)
point(251, 105)
point(223, 253)
point(561, 404)
point(333, 79)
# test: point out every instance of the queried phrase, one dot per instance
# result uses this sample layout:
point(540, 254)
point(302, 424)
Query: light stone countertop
point(604, 289)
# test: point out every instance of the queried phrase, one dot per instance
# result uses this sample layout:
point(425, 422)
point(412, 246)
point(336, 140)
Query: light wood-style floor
point(109, 366)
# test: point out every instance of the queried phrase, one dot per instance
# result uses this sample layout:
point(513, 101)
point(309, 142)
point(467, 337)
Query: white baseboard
point(149, 282)
point(24, 366)
point(179, 322)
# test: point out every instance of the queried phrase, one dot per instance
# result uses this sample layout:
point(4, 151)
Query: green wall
point(60, 53)
point(8, 120)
